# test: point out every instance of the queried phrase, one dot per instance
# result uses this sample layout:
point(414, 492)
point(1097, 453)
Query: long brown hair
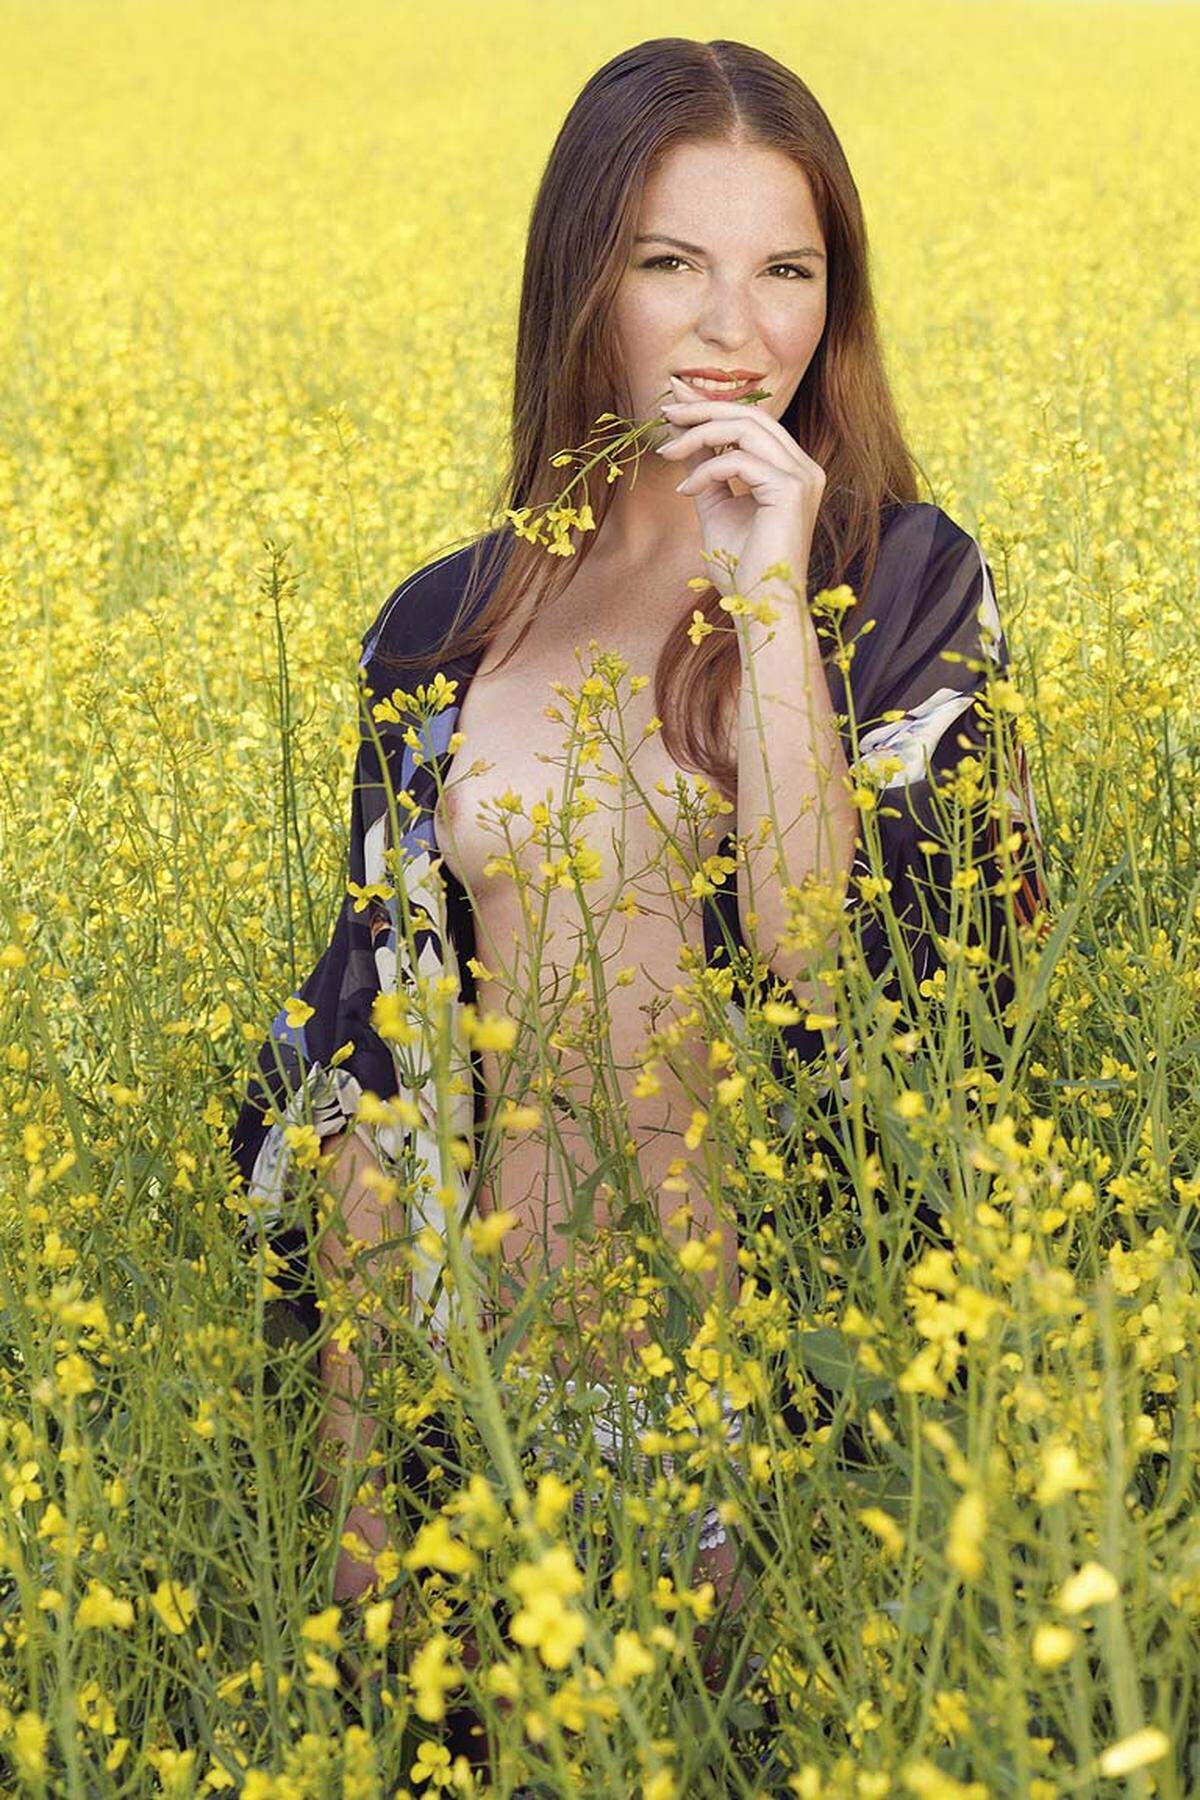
point(634, 109)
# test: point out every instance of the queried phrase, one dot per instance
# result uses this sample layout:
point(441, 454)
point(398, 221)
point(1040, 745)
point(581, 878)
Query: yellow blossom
point(763, 1161)
point(432, 1765)
point(630, 1659)
point(518, 1118)
point(1092, 1585)
point(431, 1676)
point(884, 1527)
point(1134, 1752)
point(491, 1031)
point(362, 896)
point(545, 1621)
point(1052, 1645)
point(504, 1679)
point(950, 1714)
point(553, 1499)
point(928, 1782)
point(322, 1628)
point(546, 1624)
point(696, 1127)
point(175, 1605)
point(30, 1735)
point(968, 1523)
point(304, 1144)
point(389, 1018)
point(100, 1608)
point(909, 1104)
point(655, 1360)
point(73, 1376)
point(435, 1548)
point(319, 1671)
point(1062, 1473)
point(487, 1233)
point(697, 1255)
point(377, 1622)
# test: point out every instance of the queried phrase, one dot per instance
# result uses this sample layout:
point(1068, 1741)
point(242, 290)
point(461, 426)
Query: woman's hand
point(773, 519)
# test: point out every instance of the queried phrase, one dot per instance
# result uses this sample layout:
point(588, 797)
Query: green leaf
point(828, 1357)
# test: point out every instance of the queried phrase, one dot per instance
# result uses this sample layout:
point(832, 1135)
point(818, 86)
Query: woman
point(697, 236)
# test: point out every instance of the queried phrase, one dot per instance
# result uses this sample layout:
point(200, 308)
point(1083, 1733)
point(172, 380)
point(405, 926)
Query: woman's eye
point(658, 262)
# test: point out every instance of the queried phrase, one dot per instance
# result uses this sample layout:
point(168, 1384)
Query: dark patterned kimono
point(914, 680)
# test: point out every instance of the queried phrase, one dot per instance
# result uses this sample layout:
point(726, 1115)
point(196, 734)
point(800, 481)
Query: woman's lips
point(724, 390)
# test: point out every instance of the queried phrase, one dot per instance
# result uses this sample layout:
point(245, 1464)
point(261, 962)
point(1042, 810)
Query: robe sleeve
point(927, 642)
point(322, 1052)
point(393, 936)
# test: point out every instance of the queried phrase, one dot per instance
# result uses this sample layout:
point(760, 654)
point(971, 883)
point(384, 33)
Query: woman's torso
point(530, 963)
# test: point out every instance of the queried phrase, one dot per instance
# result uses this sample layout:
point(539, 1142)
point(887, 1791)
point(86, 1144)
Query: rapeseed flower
point(546, 1621)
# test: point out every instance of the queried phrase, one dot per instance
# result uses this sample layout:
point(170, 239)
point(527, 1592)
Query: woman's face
point(741, 287)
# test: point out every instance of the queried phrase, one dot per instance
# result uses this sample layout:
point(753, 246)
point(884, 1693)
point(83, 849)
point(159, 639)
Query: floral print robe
point(935, 631)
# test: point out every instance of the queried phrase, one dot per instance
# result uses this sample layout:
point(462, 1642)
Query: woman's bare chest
point(541, 775)
point(559, 754)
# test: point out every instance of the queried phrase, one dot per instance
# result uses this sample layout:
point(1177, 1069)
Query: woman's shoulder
point(926, 561)
point(931, 590)
point(416, 614)
point(921, 527)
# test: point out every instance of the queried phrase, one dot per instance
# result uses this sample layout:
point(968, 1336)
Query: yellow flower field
point(258, 273)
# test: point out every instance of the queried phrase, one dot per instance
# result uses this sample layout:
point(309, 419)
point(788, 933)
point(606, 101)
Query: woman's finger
point(716, 434)
point(755, 471)
point(704, 407)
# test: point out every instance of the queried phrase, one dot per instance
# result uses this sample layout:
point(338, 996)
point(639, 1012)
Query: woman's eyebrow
point(659, 237)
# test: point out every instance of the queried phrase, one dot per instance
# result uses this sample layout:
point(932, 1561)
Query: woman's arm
point(790, 763)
